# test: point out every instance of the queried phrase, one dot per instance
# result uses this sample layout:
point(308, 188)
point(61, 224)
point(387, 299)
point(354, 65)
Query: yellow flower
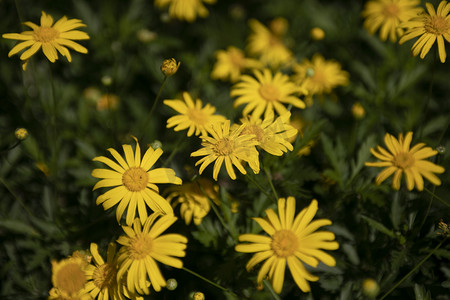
point(108, 102)
point(317, 34)
point(402, 159)
point(169, 67)
point(267, 44)
point(134, 183)
point(69, 278)
point(192, 115)
point(432, 26)
point(231, 63)
point(358, 110)
point(290, 241)
point(142, 246)
point(53, 38)
point(186, 10)
point(266, 93)
point(387, 15)
point(319, 76)
point(193, 197)
point(272, 135)
point(228, 146)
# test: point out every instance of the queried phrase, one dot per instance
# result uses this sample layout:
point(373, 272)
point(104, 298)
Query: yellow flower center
point(437, 25)
point(70, 278)
point(237, 59)
point(224, 147)
point(391, 10)
point(135, 179)
point(140, 247)
point(269, 92)
point(45, 34)
point(256, 130)
point(197, 116)
point(284, 243)
point(319, 77)
point(104, 276)
point(403, 160)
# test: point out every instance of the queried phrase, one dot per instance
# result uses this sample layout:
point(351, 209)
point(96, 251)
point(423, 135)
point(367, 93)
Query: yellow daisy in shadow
point(69, 279)
point(193, 115)
point(387, 15)
point(319, 76)
point(267, 44)
point(431, 27)
point(229, 147)
point(142, 246)
point(272, 135)
point(231, 63)
point(185, 10)
point(53, 38)
point(133, 183)
point(402, 159)
point(266, 93)
point(290, 241)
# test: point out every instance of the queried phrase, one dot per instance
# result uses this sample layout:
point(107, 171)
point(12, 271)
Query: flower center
point(104, 276)
point(256, 130)
point(269, 92)
point(197, 116)
point(224, 147)
point(140, 247)
point(45, 34)
point(437, 25)
point(318, 77)
point(284, 243)
point(135, 179)
point(404, 160)
point(70, 278)
point(391, 10)
point(237, 59)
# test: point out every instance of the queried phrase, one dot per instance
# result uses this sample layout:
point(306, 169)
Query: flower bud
point(317, 34)
point(198, 296)
point(171, 284)
point(358, 111)
point(169, 67)
point(21, 134)
point(370, 288)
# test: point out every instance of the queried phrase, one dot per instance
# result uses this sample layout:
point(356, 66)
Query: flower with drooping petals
point(185, 10)
point(231, 63)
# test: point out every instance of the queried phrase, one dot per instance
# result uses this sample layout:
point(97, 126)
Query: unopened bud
point(198, 296)
point(21, 134)
point(317, 34)
point(156, 144)
point(171, 284)
point(309, 72)
point(370, 288)
point(440, 149)
point(169, 67)
point(358, 111)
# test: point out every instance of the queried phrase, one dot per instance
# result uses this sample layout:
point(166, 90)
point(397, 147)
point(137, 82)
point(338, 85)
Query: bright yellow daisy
point(319, 76)
point(228, 146)
point(69, 279)
point(142, 246)
point(193, 199)
point(185, 10)
point(432, 26)
point(387, 15)
point(192, 115)
point(266, 93)
point(268, 44)
point(133, 183)
point(272, 135)
point(231, 63)
point(401, 159)
point(53, 38)
point(290, 241)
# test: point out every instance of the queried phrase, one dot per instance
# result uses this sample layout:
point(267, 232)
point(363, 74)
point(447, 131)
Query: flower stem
point(209, 281)
point(269, 179)
point(269, 287)
point(18, 199)
point(413, 270)
point(174, 151)
point(153, 107)
point(437, 197)
point(258, 186)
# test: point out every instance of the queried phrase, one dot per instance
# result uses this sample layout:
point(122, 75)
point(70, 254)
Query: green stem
point(269, 287)
point(413, 270)
point(437, 197)
point(209, 281)
point(18, 199)
point(174, 151)
point(153, 107)
point(428, 209)
point(269, 179)
point(258, 186)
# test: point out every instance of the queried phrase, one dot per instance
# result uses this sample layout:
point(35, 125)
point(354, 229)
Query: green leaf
point(378, 226)
point(421, 293)
point(351, 253)
point(19, 227)
point(362, 156)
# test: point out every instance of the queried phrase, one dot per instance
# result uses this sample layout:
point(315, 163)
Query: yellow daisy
point(134, 183)
point(231, 63)
point(192, 115)
point(142, 246)
point(266, 93)
point(387, 15)
point(402, 159)
point(267, 44)
point(53, 38)
point(228, 146)
point(432, 26)
point(193, 199)
point(185, 10)
point(69, 278)
point(272, 135)
point(290, 241)
point(319, 76)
